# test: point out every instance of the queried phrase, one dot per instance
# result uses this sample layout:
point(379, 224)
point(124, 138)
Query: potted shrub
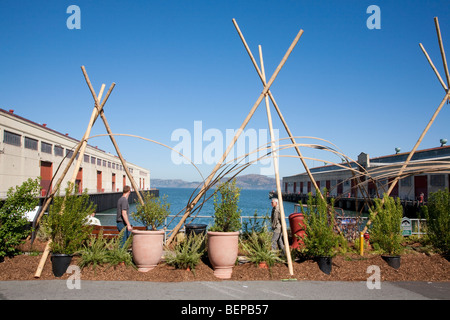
point(385, 233)
point(223, 236)
point(437, 213)
point(13, 222)
point(147, 245)
point(320, 239)
point(66, 226)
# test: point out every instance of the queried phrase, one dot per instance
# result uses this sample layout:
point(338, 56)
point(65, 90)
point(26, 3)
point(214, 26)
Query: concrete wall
point(18, 163)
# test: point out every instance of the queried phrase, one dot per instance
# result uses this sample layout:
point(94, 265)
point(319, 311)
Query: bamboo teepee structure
point(80, 148)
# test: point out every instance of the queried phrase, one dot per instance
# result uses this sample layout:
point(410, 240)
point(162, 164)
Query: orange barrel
point(297, 228)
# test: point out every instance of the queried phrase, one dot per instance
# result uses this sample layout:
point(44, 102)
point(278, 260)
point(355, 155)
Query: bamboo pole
point(433, 67)
point(72, 158)
point(441, 46)
point(277, 109)
point(447, 96)
point(235, 138)
point(277, 173)
point(82, 148)
point(113, 140)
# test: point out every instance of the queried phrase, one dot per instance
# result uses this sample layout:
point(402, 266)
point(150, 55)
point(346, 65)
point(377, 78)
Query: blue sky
point(177, 62)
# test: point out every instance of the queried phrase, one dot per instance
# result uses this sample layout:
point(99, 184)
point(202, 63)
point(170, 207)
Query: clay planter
point(392, 261)
point(147, 248)
point(223, 252)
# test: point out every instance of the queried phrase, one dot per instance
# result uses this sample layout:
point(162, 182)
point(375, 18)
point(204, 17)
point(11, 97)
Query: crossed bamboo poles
point(434, 116)
point(81, 147)
point(265, 94)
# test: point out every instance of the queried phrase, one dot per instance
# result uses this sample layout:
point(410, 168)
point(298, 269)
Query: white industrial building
point(427, 172)
point(30, 150)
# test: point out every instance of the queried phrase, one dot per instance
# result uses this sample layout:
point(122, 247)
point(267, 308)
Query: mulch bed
point(415, 266)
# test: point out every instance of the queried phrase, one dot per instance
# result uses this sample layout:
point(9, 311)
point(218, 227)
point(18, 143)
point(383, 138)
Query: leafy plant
point(226, 212)
point(320, 239)
point(437, 213)
point(13, 222)
point(187, 254)
point(153, 212)
point(119, 253)
point(66, 221)
point(95, 252)
point(258, 248)
point(100, 251)
point(386, 233)
point(255, 224)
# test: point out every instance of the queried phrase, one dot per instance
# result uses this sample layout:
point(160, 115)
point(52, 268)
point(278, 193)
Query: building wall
point(407, 188)
point(18, 163)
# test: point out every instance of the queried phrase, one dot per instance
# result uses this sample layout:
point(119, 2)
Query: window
point(31, 143)
point(99, 162)
point(12, 138)
point(92, 160)
point(69, 153)
point(104, 163)
point(437, 180)
point(86, 158)
point(46, 147)
point(59, 151)
point(109, 164)
point(113, 165)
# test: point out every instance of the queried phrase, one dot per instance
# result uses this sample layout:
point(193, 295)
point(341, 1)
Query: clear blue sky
point(176, 62)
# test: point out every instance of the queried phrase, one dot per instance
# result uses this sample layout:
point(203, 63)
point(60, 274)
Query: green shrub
point(187, 254)
point(67, 222)
point(320, 239)
point(226, 212)
point(13, 222)
point(385, 232)
point(255, 224)
point(258, 248)
point(101, 251)
point(153, 212)
point(437, 213)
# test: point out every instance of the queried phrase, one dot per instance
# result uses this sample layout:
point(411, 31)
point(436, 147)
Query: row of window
point(32, 144)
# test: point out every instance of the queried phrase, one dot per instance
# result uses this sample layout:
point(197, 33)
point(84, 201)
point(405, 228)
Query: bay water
point(250, 201)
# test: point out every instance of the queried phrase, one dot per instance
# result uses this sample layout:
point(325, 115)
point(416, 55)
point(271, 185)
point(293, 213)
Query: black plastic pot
point(195, 228)
point(324, 264)
point(392, 261)
point(60, 263)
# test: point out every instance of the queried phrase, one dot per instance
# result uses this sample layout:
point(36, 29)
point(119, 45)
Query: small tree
point(386, 233)
point(67, 222)
point(13, 222)
point(153, 212)
point(437, 213)
point(320, 239)
point(226, 212)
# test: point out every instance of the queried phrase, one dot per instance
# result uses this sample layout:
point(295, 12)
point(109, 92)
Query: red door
point(113, 182)
point(46, 177)
point(99, 181)
point(420, 186)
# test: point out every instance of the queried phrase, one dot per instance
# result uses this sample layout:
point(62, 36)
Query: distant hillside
point(248, 181)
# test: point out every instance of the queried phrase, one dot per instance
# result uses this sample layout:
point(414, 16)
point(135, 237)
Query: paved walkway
point(221, 290)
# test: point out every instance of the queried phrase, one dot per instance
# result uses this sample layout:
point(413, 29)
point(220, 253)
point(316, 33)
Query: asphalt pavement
point(221, 290)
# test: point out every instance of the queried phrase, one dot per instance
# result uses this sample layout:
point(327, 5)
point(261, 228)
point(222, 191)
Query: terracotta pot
point(147, 248)
point(263, 265)
point(222, 252)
